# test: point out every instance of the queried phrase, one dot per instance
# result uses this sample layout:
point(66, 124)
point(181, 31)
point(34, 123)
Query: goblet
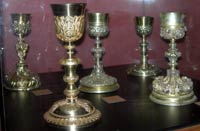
point(98, 81)
point(22, 79)
point(172, 90)
point(143, 28)
point(70, 112)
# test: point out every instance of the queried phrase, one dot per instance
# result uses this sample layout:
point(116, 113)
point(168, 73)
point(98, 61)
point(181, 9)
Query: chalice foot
point(172, 90)
point(98, 83)
point(138, 70)
point(22, 81)
point(79, 114)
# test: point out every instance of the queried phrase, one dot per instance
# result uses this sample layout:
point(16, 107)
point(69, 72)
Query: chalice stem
point(70, 76)
point(173, 55)
point(98, 53)
point(21, 48)
point(144, 53)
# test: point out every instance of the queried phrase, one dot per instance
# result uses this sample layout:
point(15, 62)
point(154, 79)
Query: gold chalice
point(172, 90)
point(22, 79)
point(144, 28)
point(98, 81)
point(70, 112)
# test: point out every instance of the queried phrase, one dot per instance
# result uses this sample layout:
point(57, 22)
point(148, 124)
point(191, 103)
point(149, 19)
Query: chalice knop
point(144, 28)
point(172, 90)
point(23, 79)
point(98, 81)
point(70, 112)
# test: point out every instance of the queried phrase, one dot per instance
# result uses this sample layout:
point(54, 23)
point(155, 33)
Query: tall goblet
point(144, 28)
point(70, 112)
point(22, 79)
point(98, 81)
point(172, 90)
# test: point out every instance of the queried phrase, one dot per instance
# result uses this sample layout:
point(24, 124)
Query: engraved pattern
point(173, 89)
point(22, 28)
point(69, 28)
point(172, 84)
point(172, 33)
point(98, 30)
point(23, 79)
point(144, 30)
point(100, 79)
point(90, 117)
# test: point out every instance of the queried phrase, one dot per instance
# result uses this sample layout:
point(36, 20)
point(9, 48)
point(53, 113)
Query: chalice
point(172, 90)
point(98, 81)
point(70, 112)
point(143, 28)
point(23, 79)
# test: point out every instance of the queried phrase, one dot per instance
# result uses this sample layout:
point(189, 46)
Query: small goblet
point(172, 90)
point(22, 79)
point(98, 81)
point(70, 112)
point(144, 28)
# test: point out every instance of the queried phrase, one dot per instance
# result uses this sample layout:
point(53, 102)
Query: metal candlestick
point(22, 79)
point(70, 112)
point(172, 90)
point(98, 81)
point(144, 28)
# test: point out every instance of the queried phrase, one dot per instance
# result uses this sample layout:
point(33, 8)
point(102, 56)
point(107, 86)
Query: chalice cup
point(70, 112)
point(143, 28)
point(98, 81)
point(23, 79)
point(172, 90)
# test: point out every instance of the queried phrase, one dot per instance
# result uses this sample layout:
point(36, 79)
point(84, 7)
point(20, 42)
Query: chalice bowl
point(172, 90)
point(70, 112)
point(23, 79)
point(98, 81)
point(143, 28)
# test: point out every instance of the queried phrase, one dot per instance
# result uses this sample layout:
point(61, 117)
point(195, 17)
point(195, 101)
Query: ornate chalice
point(98, 81)
point(70, 112)
point(172, 90)
point(22, 79)
point(143, 28)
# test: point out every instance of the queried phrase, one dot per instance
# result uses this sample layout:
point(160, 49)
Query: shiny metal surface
point(172, 89)
point(143, 28)
point(68, 9)
point(23, 79)
point(71, 111)
point(98, 81)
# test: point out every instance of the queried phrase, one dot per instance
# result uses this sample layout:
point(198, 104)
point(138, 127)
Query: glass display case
point(23, 110)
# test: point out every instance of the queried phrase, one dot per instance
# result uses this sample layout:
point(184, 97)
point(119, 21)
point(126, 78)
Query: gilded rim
point(99, 89)
point(177, 100)
point(136, 70)
point(78, 121)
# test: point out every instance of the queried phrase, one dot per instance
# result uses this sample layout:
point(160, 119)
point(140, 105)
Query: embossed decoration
point(167, 33)
point(71, 111)
point(21, 28)
point(98, 81)
point(172, 89)
point(69, 28)
point(144, 26)
point(91, 115)
point(100, 30)
point(144, 30)
point(23, 79)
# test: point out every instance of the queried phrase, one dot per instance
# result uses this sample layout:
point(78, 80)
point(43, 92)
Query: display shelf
point(24, 110)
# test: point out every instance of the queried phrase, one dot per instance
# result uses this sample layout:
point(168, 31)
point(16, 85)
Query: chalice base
point(98, 83)
point(138, 70)
point(64, 114)
point(173, 90)
point(24, 81)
